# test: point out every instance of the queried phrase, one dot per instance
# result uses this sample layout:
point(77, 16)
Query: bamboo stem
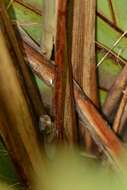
point(99, 129)
point(17, 127)
point(49, 9)
point(83, 54)
point(117, 121)
point(70, 123)
point(114, 96)
point(65, 118)
point(27, 77)
point(21, 106)
point(61, 70)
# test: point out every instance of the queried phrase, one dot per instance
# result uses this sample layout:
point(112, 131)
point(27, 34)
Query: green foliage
point(30, 21)
point(7, 172)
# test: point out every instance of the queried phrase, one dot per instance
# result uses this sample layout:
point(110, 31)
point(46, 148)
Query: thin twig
point(114, 56)
point(30, 6)
point(25, 24)
point(110, 50)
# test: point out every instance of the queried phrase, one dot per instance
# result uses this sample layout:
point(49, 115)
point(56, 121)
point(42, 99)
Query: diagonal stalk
point(99, 129)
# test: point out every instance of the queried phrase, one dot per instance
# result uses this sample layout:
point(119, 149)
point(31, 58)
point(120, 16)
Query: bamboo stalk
point(114, 96)
point(103, 83)
point(65, 118)
point(117, 121)
point(115, 105)
point(49, 9)
point(61, 70)
point(70, 123)
point(100, 130)
point(17, 126)
point(21, 106)
point(40, 64)
point(27, 78)
point(123, 124)
point(83, 54)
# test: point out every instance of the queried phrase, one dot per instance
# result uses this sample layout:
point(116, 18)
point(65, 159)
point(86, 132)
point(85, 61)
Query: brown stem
point(65, 116)
point(49, 22)
point(70, 123)
point(61, 71)
point(83, 54)
point(112, 12)
point(99, 129)
point(18, 128)
point(117, 127)
point(40, 64)
point(30, 6)
point(27, 77)
point(114, 97)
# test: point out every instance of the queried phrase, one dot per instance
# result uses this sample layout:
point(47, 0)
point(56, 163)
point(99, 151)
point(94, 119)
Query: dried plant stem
point(26, 74)
point(63, 98)
point(17, 126)
point(61, 69)
point(20, 106)
point(83, 54)
point(100, 130)
point(49, 9)
point(98, 127)
point(114, 96)
point(117, 127)
point(70, 123)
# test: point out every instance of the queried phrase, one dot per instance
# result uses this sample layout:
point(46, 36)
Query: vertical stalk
point(63, 99)
point(27, 78)
point(83, 55)
point(70, 123)
point(17, 127)
point(49, 10)
point(20, 105)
